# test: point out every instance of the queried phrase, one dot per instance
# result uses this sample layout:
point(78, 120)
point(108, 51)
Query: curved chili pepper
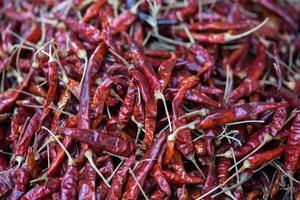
point(150, 104)
point(258, 159)
point(87, 181)
point(197, 96)
point(100, 141)
point(119, 179)
point(7, 181)
point(8, 98)
point(98, 101)
point(33, 166)
point(157, 195)
point(123, 21)
point(132, 190)
point(219, 25)
point(53, 82)
point(211, 181)
point(292, 151)
point(279, 11)
point(85, 31)
point(275, 185)
point(41, 191)
point(32, 127)
point(161, 180)
point(165, 70)
point(184, 141)
point(127, 105)
point(69, 183)
point(223, 173)
point(92, 11)
point(22, 182)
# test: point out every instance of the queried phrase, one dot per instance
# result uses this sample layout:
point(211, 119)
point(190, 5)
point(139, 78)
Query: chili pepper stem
point(228, 37)
point(88, 154)
point(190, 125)
point(70, 159)
point(84, 70)
point(159, 95)
point(139, 185)
point(266, 139)
point(197, 166)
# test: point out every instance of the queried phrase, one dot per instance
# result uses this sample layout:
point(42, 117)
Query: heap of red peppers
point(150, 99)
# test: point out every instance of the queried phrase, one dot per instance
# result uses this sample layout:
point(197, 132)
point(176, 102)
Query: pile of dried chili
point(150, 99)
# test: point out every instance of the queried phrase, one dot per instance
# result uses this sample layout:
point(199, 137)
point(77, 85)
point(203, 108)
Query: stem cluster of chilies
point(149, 99)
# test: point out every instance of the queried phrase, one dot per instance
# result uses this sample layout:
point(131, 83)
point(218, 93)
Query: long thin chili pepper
point(101, 141)
point(292, 150)
point(127, 105)
point(132, 190)
point(119, 179)
point(41, 191)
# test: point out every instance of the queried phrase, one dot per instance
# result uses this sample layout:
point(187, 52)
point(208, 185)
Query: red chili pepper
point(8, 98)
point(165, 70)
point(211, 181)
point(279, 11)
point(22, 182)
point(41, 191)
point(157, 195)
point(127, 106)
point(33, 166)
point(85, 31)
point(219, 25)
point(123, 21)
point(53, 82)
point(132, 190)
point(98, 101)
point(259, 159)
point(87, 182)
point(32, 127)
point(69, 183)
point(100, 141)
point(292, 150)
point(120, 179)
point(7, 182)
point(92, 11)
point(289, 97)
point(158, 175)
point(197, 96)
point(223, 173)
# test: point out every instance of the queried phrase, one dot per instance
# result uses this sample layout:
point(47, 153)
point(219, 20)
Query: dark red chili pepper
point(211, 181)
point(85, 31)
point(7, 182)
point(292, 150)
point(87, 181)
point(158, 175)
point(127, 105)
point(41, 191)
point(132, 190)
point(92, 11)
point(53, 81)
point(219, 25)
point(98, 101)
point(157, 195)
point(165, 70)
point(32, 127)
point(279, 11)
point(100, 141)
point(119, 179)
point(22, 182)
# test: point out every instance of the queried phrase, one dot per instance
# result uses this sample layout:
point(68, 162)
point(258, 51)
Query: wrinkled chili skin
point(292, 151)
point(42, 191)
point(119, 179)
point(101, 141)
point(69, 183)
point(132, 190)
point(22, 182)
point(86, 185)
